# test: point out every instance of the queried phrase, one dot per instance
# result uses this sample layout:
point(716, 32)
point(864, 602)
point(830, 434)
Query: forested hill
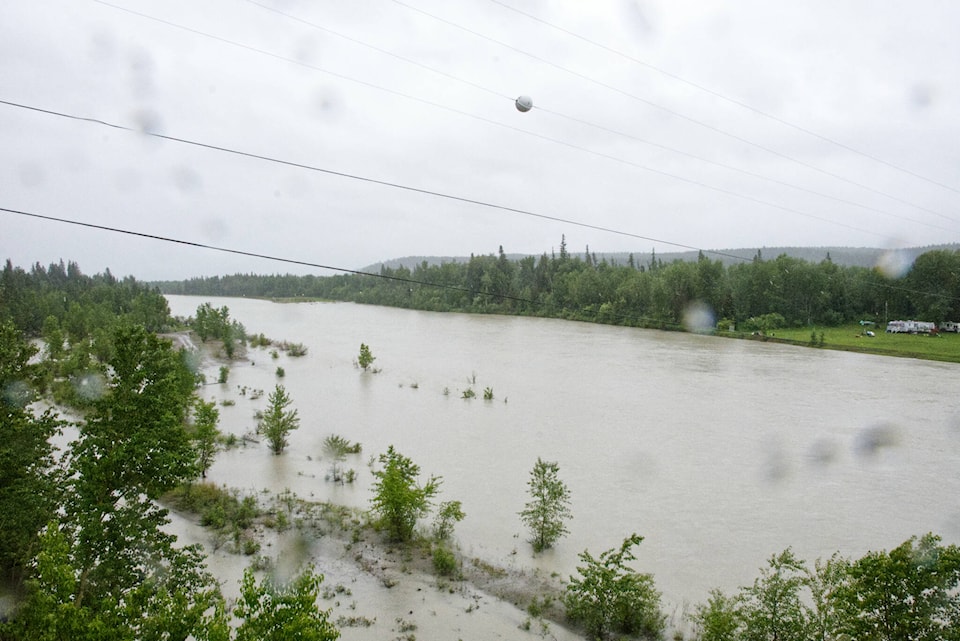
point(763, 292)
point(844, 256)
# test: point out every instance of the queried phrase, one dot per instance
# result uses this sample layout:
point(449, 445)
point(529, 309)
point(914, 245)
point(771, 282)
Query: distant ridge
point(846, 256)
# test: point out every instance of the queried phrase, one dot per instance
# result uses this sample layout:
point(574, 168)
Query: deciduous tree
point(608, 596)
point(205, 435)
point(272, 612)
point(911, 592)
point(448, 515)
point(366, 357)
point(278, 421)
point(398, 497)
point(549, 508)
point(773, 607)
point(718, 619)
point(107, 569)
point(28, 483)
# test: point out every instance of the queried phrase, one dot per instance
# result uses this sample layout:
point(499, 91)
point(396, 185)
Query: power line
point(401, 279)
point(505, 126)
point(385, 52)
point(365, 179)
point(723, 97)
point(670, 111)
point(302, 263)
point(598, 127)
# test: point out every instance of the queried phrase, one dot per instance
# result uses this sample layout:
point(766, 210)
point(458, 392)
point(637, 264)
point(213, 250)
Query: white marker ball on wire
point(524, 103)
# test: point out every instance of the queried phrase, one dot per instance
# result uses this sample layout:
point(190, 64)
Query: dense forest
point(759, 293)
point(80, 305)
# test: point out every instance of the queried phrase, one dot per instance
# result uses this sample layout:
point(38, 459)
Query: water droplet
point(699, 318)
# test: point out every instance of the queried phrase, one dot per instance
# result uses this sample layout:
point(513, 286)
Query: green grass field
point(938, 347)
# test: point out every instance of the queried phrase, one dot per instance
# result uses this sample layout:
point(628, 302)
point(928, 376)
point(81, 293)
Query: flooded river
point(719, 452)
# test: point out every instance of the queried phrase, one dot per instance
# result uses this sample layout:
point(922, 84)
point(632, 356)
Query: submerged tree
point(278, 421)
point(336, 448)
point(398, 498)
point(366, 357)
point(549, 507)
point(448, 515)
point(608, 596)
point(205, 435)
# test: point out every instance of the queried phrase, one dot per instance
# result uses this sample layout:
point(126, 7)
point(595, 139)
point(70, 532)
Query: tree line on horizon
point(795, 292)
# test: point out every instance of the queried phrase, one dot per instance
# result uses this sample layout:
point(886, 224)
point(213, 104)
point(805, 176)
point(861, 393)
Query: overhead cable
point(542, 108)
point(726, 98)
point(670, 111)
point(366, 179)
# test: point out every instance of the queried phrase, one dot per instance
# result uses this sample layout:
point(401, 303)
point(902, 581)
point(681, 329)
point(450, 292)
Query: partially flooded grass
point(852, 338)
point(229, 514)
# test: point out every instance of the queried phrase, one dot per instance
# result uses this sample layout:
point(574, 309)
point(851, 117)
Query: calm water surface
point(720, 452)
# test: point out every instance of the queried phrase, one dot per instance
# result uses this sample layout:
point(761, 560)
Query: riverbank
point(375, 588)
point(848, 338)
point(943, 347)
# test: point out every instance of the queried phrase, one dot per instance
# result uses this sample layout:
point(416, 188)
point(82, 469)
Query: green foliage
point(773, 607)
point(468, 393)
point(140, 419)
point(205, 435)
point(295, 350)
point(82, 306)
point(271, 612)
point(548, 510)
point(444, 561)
point(278, 421)
point(718, 619)
point(216, 506)
point(398, 499)
point(911, 592)
point(608, 596)
point(212, 323)
point(765, 322)
point(488, 394)
point(448, 515)
point(336, 448)
point(366, 358)
point(259, 340)
point(174, 598)
point(29, 482)
point(224, 374)
point(53, 337)
point(108, 567)
point(281, 372)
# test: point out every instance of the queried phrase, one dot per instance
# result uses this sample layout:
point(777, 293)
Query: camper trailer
point(911, 327)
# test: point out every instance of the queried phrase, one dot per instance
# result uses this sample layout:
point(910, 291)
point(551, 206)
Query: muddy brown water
point(719, 452)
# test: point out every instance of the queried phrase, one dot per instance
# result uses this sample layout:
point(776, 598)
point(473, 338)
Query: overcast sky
point(636, 128)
